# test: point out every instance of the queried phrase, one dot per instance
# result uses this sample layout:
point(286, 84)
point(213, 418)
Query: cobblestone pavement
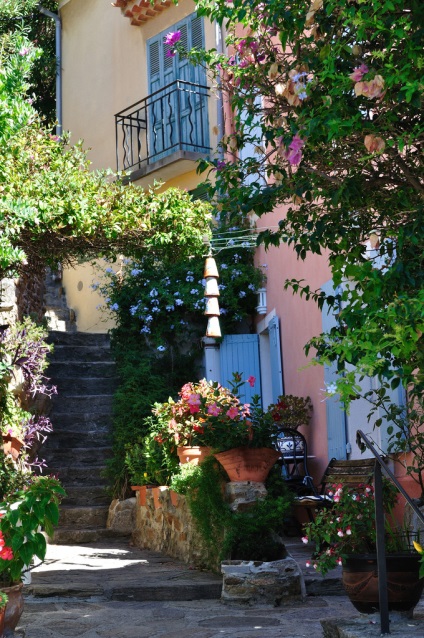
point(115, 591)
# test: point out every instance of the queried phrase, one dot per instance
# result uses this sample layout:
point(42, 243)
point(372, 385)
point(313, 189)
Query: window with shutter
point(178, 117)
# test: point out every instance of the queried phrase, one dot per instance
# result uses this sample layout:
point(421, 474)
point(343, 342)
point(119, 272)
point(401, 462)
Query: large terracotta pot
point(14, 608)
point(404, 587)
point(2, 615)
point(248, 464)
point(195, 454)
point(11, 445)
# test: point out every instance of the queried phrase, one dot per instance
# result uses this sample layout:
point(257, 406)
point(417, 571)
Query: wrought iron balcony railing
point(173, 118)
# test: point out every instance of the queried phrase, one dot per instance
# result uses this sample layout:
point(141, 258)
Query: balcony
point(167, 126)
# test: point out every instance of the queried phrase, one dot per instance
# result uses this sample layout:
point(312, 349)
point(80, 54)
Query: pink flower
point(294, 153)
point(193, 402)
point(340, 533)
point(308, 564)
point(172, 38)
point(358, 72)
point(232, 412)
point(6, 553)
point(251, 381)
point(339, 561)
point(348, 531)
point(23, 51)
point(336, 498)
point(214, 409)
point(304, 539)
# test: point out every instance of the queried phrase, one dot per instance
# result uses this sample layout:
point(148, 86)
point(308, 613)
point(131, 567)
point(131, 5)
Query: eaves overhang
point(140, 11)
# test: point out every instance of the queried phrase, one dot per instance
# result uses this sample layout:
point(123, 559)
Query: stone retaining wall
point(164, 527)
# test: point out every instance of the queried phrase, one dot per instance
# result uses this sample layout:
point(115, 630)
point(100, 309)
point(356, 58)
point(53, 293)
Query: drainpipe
point(56, 18)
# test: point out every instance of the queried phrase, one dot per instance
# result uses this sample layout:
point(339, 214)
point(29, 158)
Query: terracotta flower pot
point(195, 455)
point(404, 587)
point(11, 445)
point(14, 607)
point(2, 616)
point(248, 464)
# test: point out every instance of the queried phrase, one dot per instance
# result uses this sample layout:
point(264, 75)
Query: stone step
point(73, 536)
point(78, 339)
point(83, 516)
point(62, 439)
point(86, 495)
point(83, 385)
point(77, 457)
point(81, 404)
point(80, 353)
point(83, 422)
point(102, 369)
point(90, 475)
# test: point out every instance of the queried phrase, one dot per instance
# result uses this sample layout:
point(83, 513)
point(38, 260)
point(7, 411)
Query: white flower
point(242, 294)
point(189, 278)
point(161, 348)
point(224, 266)
point(179, 302)
point(331, 388)
point(169, 308)
point(194, 291)
point(146, 330)
point(304, 539)
point(153, 292)
point(155, 309)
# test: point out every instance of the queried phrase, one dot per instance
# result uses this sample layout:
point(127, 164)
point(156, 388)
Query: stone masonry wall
point(164, 527)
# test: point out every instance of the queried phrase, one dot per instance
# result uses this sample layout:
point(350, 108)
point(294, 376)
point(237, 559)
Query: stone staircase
point(82, 368)
point(57, 313)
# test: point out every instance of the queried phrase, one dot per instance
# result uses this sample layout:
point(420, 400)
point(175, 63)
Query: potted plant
point(210, 416)
point(345, 534)
point(32, 509)
point(3, 602)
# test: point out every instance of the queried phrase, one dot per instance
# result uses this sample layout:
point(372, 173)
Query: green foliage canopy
point(53, 208)
point(330, 94)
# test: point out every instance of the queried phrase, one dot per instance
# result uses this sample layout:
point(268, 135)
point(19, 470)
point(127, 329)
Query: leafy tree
point(53, 208)
point(330, 94)
point(41, 32)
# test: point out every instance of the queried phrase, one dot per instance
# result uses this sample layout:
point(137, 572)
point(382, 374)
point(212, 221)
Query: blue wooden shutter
point(176, 119)
point(336, 417)
point(240, 353)
point(275, 359)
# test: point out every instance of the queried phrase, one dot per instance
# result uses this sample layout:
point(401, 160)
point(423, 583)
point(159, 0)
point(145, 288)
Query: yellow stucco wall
point(104, 71)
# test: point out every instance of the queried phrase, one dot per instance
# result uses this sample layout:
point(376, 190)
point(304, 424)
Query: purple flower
point(171, 40)
point(24, 51)
point(294, 153)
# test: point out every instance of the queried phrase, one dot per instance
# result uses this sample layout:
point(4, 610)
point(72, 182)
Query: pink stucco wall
point(299, 321)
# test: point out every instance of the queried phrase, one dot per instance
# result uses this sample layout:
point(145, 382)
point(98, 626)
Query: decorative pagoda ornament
point(211, 294)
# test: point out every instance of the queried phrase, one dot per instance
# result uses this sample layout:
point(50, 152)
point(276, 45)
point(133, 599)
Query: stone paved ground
point(115, 591)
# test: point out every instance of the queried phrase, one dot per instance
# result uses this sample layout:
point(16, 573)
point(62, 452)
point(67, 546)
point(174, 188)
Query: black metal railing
point(380, 467)
point(171, 119)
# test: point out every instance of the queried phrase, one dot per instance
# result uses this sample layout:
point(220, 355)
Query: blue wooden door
point(240, 353)
point(336, 416)
point(177, 118)
point(275, 359)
